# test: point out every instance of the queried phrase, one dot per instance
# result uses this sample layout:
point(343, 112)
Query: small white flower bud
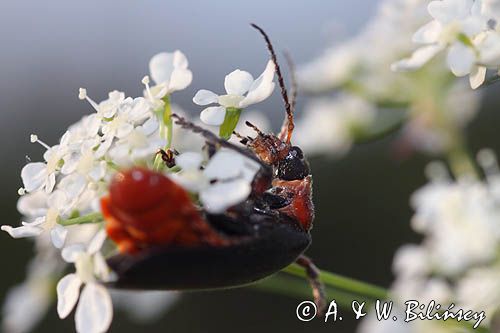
point(82, 93)
point(486, 157)
point(436, 171)
point(21, 191)
point(33, 138)
point(145, 80)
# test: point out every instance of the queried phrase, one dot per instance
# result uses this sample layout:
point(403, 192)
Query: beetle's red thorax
point(301, 206)
point(146, 209)
point(269, 148)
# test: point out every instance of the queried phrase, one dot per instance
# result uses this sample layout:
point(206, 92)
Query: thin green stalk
point(167, 120)
point(89, 218)
point(166, 129)
point(339, 288)
point(491, 80)
point(230, 121)
point(342, 283)
point(294, 287)
point(461, 162)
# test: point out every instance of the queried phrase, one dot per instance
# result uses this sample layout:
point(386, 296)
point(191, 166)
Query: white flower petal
point(224, 164)
point(460, 59)
point(50, 182)
point(428, 34)
point(220, 196)
point(261, 88)
point(238, 82)
point(103, 147)
point(33, 175)
point(58, 235)
point(180, 61)
point(37, 222)
point(23, 231)
point(191, 180)
point(101, 269)
point(94, 311)
point(58, 199)
point(97, 242)
point(68, 290)
point(419, 58)
point(180, 79)
point(150, 126)
point(449, 10)
point(161, 67)
point(33, 204)
point(71, 252)
point(477, 76)
point(213, 115)
point(490, 50)
point(189, 160)
point(205, 97)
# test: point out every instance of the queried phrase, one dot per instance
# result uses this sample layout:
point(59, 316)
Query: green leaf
point(230, 121)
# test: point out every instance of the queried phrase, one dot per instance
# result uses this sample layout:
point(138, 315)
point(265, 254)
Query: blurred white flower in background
point(330, 125)
point(242, 90)
point(360, 64)
point(36, 293)
point(466, 30)
point(432, 107)
point(434, 130)
point(458, 260)
point(144, 306)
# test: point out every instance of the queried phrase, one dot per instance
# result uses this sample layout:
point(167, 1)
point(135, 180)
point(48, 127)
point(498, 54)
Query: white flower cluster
point(458, 260)
point(64, 190)
point(433, 108)
point(467, 30)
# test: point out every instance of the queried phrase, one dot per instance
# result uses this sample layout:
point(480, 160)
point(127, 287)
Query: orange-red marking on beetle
point(146, 209)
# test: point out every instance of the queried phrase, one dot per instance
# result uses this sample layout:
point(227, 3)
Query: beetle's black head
point(294, 166)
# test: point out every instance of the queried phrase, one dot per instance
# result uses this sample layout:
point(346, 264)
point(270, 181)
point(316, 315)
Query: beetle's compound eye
point(297, 152)
point(293, 166)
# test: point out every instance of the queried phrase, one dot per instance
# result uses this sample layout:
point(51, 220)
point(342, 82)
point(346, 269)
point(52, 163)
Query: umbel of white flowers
point(467, 31)
point(121, 133)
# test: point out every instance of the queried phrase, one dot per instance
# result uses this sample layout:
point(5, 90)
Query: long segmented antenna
point(254, 127)
point(186, 124)
point(293, 79)
point(281, 82)
point(293, 93)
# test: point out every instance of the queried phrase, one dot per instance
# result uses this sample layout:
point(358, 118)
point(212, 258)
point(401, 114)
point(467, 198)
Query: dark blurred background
point(50, 49)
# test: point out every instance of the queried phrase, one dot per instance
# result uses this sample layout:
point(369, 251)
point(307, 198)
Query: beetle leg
point(168, 156)
point(316, 285)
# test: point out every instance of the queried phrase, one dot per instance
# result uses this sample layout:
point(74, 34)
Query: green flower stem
point(167, 120)
point(339, 288)
point(342, 283)
point(166, 129)
point(90, 218)
point(290, 286)
point(230, 121)
point(491, 80)
point(461, 162)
